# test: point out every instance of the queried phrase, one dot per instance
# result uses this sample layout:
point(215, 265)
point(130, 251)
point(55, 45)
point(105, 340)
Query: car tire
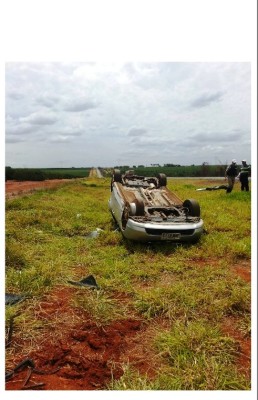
point(193, 207)
point(117, 176)
point(162, 179)
point(139, 207)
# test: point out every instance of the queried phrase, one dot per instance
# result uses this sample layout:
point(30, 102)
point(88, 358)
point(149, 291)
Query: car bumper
point(147, 232)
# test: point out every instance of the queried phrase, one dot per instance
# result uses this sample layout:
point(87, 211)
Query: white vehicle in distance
point(146, 210)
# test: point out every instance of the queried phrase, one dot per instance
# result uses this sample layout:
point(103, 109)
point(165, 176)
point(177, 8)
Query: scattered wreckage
point(146, 210)
point(220, 187)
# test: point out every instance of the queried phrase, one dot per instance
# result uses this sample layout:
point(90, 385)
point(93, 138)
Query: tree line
point(35, 174)
point(171, 170)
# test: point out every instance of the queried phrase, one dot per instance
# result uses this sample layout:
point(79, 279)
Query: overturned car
point(146, 210)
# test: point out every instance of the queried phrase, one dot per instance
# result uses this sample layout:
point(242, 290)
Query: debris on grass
point(94, 234)
point(11, 299)
point(88, 281)
point(225, 187)
point(28, 363)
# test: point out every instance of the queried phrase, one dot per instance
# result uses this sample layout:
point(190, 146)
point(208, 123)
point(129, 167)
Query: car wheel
point(193, 207)
point(162, 179)
point(137, 207)
point(117, 176)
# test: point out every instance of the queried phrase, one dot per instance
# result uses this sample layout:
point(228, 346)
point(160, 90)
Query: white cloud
point(137, 132)
point(206, 99)
point(98, 113)
point(39, 118)
point(80, 104)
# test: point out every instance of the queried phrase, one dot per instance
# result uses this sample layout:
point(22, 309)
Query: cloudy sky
point(106, 114)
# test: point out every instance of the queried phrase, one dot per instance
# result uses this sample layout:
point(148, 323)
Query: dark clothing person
point(231, 173)
point(244, 174)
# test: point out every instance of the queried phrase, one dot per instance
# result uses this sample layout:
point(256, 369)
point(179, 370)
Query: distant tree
point(172, 165)
point(205, 169)
point(27, 174)
point(8, 173)
point(220, 170)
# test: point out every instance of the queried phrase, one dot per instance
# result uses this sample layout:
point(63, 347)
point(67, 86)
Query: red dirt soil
point(78, 354)
point(15, 188)
point(244, 353)
point(75, 353)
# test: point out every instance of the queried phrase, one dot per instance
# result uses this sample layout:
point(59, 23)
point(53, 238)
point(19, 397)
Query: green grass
point(197, 357)
point(193, 288)
point(202, 354)
point(100, 306)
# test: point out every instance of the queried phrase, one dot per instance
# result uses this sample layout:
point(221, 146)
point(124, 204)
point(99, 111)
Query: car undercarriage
point(147, 206)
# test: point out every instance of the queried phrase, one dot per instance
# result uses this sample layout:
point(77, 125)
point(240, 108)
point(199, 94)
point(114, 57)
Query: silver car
point(146, 210)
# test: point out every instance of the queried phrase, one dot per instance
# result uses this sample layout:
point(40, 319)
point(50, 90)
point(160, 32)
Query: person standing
point(243, 176)
point(230, 174)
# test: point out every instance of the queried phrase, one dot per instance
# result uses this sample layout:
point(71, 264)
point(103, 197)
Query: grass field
point(193, 301)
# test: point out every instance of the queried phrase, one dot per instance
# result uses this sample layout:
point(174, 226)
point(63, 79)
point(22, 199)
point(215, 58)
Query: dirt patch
point(229, 327)
point(74, 352)
point(15, 188)
point(241, 268)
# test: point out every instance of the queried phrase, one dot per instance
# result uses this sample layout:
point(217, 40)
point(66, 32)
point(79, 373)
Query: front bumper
point(176, 232)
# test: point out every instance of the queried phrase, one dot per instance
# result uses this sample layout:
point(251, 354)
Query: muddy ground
point(73, 353)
